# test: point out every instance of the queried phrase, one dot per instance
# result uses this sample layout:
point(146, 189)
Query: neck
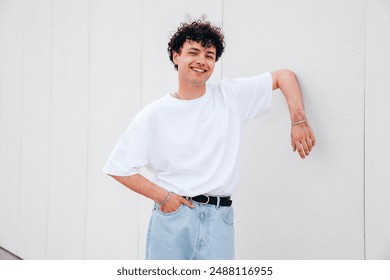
point(191, 92)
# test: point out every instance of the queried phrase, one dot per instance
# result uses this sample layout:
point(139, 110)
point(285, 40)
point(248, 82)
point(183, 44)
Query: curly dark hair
point(197, 31)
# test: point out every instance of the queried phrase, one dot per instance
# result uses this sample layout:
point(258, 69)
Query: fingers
point(302, 139)
point(303, 147)
point(293, 145)
point(174, 203)
point(186, 202)
point(313, 139)
point(300, 149)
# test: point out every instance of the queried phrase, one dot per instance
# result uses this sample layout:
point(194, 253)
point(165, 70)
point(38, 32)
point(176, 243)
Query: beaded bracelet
point(299, 122)
point(166, 199)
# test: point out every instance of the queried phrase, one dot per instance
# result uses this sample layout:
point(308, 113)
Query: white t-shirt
point(192, 146)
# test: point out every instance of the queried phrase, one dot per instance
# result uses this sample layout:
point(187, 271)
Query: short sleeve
point(253, 95)
point(130, 153)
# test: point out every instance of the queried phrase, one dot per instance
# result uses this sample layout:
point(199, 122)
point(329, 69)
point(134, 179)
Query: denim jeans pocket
point(158, 210)
point(227, 215)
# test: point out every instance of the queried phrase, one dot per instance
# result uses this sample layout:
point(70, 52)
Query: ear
point(175, 58)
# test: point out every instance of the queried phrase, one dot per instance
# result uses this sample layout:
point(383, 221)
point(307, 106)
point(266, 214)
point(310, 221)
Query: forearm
point(143, 186)
point(167, 201)
point(289, 86)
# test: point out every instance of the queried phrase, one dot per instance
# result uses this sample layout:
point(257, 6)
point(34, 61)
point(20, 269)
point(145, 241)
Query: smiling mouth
point(198, 70)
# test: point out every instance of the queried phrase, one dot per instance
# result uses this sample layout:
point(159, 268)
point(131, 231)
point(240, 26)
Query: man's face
point(195, 63)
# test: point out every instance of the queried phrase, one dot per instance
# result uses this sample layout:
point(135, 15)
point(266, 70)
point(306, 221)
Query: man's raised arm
point(302, 136)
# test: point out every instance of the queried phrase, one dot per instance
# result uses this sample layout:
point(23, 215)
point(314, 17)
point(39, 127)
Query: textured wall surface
point(74, 73)
point(377, 131)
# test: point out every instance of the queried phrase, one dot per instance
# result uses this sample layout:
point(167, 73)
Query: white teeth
point(198, 70)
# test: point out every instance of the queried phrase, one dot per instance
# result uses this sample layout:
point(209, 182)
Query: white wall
point(377, 132)
point(74, 73)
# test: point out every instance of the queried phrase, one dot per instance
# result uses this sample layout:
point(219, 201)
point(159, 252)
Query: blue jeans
point(202, 233)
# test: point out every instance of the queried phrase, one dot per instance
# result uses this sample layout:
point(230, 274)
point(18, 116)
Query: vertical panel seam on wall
point(21, 131)
point(141, 7)
point(223, 14)
point(49, 125)
point(87, 129)
point(142, 52)
point(364, 127)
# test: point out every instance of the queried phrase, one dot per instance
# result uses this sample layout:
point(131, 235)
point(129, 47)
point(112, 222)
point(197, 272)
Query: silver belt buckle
point(208, 199)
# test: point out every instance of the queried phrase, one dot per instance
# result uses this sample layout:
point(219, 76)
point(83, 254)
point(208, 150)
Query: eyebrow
point(198, 50)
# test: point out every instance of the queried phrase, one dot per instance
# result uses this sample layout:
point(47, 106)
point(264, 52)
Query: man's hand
point(302, 139)
point(174, 203)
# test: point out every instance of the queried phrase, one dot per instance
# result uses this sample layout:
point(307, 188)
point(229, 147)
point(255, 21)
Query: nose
point(200, 61)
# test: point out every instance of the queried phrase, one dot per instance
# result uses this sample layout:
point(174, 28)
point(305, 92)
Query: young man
point(190, 141)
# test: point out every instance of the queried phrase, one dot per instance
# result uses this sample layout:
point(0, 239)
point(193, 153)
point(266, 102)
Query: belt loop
point(218, 202)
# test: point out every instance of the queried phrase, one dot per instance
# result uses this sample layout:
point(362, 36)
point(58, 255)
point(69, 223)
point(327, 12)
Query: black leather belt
point(205, 199)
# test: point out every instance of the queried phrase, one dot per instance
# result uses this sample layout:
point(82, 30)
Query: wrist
point(299, 122)
point(165, 199)
point(159, 194)
point(297, 116)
